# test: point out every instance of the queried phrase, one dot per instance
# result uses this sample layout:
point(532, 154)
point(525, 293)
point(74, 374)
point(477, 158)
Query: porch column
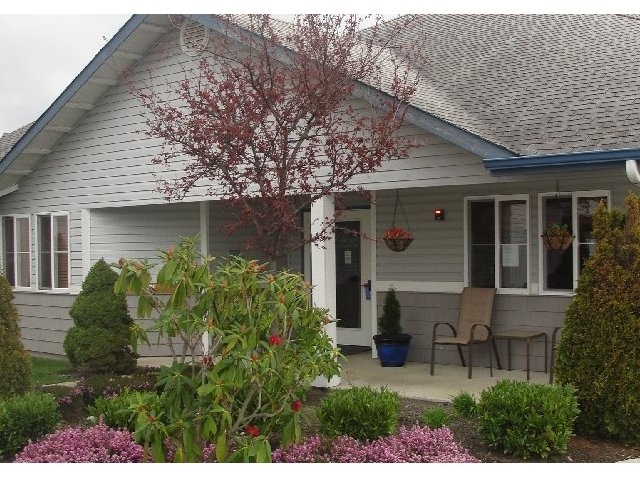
point(204, 250)
point(323, 273)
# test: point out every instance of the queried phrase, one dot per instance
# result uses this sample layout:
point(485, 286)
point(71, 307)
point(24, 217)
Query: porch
point(413, 380)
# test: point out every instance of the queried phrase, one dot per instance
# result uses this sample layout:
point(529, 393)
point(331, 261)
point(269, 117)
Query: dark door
point(348, 283)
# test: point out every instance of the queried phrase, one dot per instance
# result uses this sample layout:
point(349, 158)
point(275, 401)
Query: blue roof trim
point(420, 118)
point(562, 159)
point(73, 87)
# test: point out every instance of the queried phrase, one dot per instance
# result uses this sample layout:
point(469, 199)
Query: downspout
point(633, 174)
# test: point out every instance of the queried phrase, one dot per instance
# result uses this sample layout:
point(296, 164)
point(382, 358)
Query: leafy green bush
point(99, 339)
point(362, 413)
point(436, 417)
point(26, 417)
point(525, 419)
point(117, 412)
point(268, 343)
point(464, 405)
point(598, 350)
point(15, 363)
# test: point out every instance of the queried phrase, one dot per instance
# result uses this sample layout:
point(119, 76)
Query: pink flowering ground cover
point(410, 445)
point(99, 444)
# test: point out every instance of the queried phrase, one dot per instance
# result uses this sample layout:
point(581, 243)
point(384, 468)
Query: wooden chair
point(474, 326)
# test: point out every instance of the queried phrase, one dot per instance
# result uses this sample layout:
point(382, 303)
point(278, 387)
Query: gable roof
point(497, 85)
point(534, 84)
point(24, 148)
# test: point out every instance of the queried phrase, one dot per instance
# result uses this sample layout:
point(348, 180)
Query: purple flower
point(410, 445)
point(99, 444)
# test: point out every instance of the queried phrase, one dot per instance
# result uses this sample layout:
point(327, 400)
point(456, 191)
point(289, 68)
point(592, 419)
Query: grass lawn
point(47, 371)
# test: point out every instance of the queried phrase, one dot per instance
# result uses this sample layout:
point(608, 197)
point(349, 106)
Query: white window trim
point(17, 288)
point(37, 250)
point(574, 228)
point(497, 199)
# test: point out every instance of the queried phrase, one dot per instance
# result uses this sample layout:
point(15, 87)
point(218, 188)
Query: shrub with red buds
point(252, 430)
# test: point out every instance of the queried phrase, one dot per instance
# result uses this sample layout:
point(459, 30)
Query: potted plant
point(391, 344)
point(397, 239)
point(557, 236)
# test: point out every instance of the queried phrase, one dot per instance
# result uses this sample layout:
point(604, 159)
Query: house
point(523, 120)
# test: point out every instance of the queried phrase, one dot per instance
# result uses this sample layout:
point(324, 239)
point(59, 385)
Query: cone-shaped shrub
point(599, 351)
point(389, 322)
point(99, 339)
point(15, 363)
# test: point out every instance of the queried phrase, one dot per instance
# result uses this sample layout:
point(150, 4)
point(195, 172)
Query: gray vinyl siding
point(437, 252)
point(140, 232)
point(44, 320)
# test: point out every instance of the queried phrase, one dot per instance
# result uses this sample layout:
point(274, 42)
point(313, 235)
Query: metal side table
point(526, 336)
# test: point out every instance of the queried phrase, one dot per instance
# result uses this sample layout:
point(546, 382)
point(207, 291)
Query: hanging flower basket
point(557, 242)
point(557, 237)
point(397, 239)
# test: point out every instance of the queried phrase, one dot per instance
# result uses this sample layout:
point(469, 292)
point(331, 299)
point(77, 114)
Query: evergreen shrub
point(15, 362)
point(363, 413)
point(525, 419)
point(599, 350)
point(26, 417)
point(99, 339)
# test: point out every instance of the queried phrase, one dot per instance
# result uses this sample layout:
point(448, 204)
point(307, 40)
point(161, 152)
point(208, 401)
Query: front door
point(353, 271)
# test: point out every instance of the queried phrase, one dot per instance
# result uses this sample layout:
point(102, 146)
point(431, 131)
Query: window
point(16, 250)
point(497, 238)
point(560, 269)
point(53, 251)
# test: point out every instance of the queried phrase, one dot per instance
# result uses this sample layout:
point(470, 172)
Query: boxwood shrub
point(26, 417)
point(363, 413)
point(525, 419)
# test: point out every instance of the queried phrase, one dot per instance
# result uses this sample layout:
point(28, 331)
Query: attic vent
point(194, 37)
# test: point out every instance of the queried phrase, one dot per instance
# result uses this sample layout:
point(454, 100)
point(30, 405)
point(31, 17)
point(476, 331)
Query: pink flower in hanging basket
point(397, 232)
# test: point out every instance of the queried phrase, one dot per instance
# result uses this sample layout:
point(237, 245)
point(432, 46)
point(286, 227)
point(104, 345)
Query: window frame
point(497, 244)
point(15, 287)
point(542, 290)
point(37, 286)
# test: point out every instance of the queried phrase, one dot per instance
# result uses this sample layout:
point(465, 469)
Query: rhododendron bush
point(265, 344)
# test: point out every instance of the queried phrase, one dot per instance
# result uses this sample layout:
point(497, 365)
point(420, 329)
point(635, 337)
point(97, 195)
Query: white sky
point(45, 44)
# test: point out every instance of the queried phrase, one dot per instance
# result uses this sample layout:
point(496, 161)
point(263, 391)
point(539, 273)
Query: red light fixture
point(438, 213)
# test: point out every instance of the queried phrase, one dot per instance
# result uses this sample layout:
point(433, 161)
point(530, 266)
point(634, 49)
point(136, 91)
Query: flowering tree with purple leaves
point(271, 126)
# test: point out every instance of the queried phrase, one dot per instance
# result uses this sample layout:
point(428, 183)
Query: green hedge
point(525, 419)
